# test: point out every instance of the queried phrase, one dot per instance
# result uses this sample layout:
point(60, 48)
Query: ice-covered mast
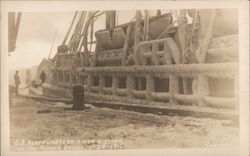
point(13, 25)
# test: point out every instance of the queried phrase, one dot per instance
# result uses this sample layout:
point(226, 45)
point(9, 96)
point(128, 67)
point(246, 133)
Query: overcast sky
point(35, 36)
point(36, 33)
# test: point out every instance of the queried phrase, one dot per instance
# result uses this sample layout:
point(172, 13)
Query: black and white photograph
point(118, 79)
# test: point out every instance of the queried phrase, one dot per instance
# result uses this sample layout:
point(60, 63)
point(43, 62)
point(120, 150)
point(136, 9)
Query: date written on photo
point(65, 144)
point(218, 145)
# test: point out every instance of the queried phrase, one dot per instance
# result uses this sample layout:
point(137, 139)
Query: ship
point(181, 60)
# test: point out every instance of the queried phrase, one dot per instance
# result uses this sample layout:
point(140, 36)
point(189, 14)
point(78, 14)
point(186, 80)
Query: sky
point(35, 36)
point(37, 31)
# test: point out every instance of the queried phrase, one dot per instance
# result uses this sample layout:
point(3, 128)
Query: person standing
point(43, 76)
point(17, 82)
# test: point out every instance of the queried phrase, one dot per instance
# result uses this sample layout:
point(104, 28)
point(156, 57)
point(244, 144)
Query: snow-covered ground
point(32, 122)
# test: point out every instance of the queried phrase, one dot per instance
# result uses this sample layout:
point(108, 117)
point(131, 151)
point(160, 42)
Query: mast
point(110, 19)
point(71, 25)
point(13, 26)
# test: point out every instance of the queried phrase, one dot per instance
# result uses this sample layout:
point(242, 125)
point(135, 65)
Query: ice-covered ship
point(180, 60)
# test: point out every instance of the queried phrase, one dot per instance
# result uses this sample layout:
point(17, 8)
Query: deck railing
point(198, 73)
point(139, 84)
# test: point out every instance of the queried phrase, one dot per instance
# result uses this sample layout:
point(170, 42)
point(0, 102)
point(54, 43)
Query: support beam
point(137, 37)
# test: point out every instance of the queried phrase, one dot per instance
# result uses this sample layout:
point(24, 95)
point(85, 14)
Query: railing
point(157, 52)
point(159, 61)
point(200, 74)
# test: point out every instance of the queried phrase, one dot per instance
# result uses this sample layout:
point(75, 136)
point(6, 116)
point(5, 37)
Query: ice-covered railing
point(157, 52)
point(158, 76)
point(171, 73)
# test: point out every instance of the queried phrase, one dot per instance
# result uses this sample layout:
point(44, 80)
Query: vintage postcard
point(124, 78)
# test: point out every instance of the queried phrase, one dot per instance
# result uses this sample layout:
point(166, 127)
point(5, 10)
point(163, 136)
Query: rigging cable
point(54, 37)
point(91, 33)
point(117, 17)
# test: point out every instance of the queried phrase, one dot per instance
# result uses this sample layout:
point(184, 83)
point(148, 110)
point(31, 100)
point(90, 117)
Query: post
point(187, 86)
point(101, 83)
point(137, 37)
point(56, 77)
point(64, 78)
point(89, 82)
point(174, 87)
point(146, 25)
point(70, 78)
point(142, 50)
point(150, 87)
point(155, 58)
point(110, 19)
point(97, 48)
point(115, 83)
point(130, 83)
point(203, 83)
point(183, 44)
point(203, 88)
point(167, 54)
point(78, 97)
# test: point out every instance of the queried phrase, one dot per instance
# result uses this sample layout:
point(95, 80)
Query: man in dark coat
point(17, 82)
point(43, 76)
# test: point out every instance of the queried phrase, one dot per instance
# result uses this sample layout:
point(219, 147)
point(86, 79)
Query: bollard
point(78, 97)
